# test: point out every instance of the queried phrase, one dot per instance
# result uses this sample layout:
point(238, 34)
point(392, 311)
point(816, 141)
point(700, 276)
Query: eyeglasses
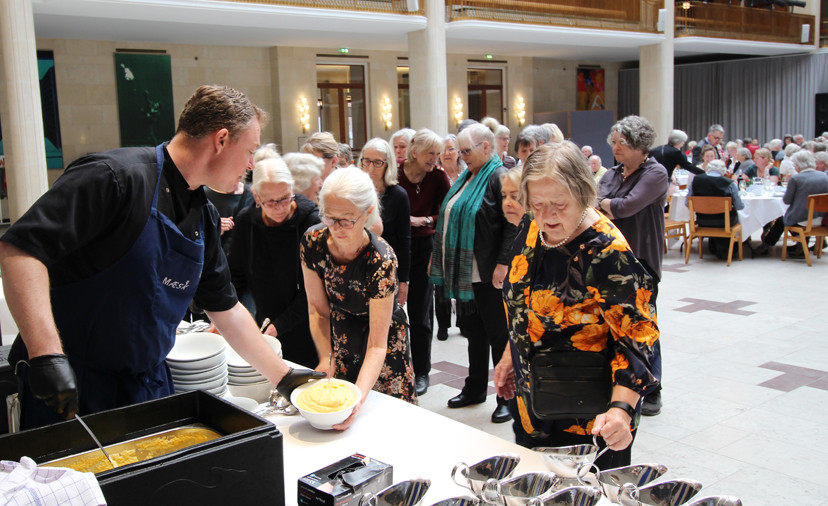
point(376, 163)
point(620, 141)
point(467, 152)
point(273, 204)
point(343, 223)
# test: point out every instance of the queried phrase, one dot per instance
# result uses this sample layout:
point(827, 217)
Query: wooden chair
point(816, 203)
point(674, 229)
point(712, 205)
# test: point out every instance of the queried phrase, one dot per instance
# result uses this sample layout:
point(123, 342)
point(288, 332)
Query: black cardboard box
point(344, 483)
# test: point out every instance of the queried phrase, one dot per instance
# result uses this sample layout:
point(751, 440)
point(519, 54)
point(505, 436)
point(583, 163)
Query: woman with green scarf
point(470, 261)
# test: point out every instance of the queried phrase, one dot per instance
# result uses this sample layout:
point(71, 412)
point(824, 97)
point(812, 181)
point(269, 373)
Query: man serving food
point(118, 248)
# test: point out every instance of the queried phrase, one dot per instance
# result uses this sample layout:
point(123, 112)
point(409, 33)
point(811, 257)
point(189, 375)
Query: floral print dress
point(350, 287)
point(590, 295)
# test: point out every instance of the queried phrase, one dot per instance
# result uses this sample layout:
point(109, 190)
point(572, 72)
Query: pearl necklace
point(564, 241)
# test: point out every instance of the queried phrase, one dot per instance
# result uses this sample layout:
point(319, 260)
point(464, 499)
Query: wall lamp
point(386, 112)
point(304, 114)
point(521, 111)
point(458, 110)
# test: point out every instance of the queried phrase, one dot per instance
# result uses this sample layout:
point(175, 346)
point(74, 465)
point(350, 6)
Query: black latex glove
point(296, 378)
point(52, 380)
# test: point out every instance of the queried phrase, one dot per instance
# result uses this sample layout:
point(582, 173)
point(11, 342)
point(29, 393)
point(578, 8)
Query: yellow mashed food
point(326, 397)
point(136, 451)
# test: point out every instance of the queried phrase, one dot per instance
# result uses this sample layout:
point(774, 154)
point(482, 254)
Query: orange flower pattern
point(590, 295)
point(350, 288)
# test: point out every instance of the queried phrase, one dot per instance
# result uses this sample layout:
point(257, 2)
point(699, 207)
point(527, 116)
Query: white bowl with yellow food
point(327, 402)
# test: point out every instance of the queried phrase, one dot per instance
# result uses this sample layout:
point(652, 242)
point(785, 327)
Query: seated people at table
point(744, 161)
point(715, 135)
point(573, 281)
point(670, 155)
point(714, 184)
point(264, 258)
point(708, 154)
point(763, 167)
point(597, 168)
point(351, 281)
point(821, 158)
point(730, 155)
point(804, 183)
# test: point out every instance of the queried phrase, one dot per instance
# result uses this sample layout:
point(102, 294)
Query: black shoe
point(421, 384)
point(652, 404)
point(763, 250)
point(796, 251)
point(442, 334)
point(464, 400)
point(501, 414)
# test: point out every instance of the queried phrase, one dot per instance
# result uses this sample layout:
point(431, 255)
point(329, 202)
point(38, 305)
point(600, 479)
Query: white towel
point(24, 483)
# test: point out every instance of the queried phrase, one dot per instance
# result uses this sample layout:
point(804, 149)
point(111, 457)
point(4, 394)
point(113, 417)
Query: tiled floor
point(745, 353)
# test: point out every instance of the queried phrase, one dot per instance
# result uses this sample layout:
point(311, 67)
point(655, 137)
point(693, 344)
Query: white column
point(427, 61)
point(655, 92)
point(22, 120)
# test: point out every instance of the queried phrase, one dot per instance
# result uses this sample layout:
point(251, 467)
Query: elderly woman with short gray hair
point(264, 259)
point(632, 194)
point(670, 155)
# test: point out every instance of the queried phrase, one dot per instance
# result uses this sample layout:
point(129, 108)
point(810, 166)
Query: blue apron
point(118, 326)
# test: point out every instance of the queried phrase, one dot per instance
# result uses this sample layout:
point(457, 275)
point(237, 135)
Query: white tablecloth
point(417, 442)
point(757, 211)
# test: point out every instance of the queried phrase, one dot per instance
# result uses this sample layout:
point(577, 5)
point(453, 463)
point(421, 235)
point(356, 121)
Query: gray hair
point(745, 152)
point(346, 156)
point(265, 151)
point(477, 133)
point(405, 133)
point(677, 137)
point(803, 160)
point(304, 168)
point(555, 134)
point(513, 175)
point(774, 144)
point(525, 139)
point(821, 156)
point(809, 145)
point(588, 148)
point(355, 186)
point(541, 134)
point(600, 162)
point(466, 123)
point(716, 165)
point(637, 131)
point(381, 145)
point(502, 131)
point(424, 139)
point(820, 146)
point(715, 127)
point(790, 149)
point(271, 170)
point(731, 144)
point(564, 163)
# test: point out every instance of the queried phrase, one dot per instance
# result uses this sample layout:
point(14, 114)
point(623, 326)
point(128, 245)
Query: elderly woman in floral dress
point(575, 287)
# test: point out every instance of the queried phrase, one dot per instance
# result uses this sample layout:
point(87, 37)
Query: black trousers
point(773, 231)
point(420, 304)
point(485, 328)
point(442, 308)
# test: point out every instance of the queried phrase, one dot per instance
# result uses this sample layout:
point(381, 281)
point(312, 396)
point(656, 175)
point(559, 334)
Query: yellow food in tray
point(326, 397)
point(137, 450)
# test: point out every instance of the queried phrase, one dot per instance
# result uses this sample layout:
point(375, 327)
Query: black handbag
point(569, 384)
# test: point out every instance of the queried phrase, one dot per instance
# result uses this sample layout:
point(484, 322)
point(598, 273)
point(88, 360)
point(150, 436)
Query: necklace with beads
point(564, 241)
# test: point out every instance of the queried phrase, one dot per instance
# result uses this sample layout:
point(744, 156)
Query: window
point(342, 102)
point(485, 93)
point(403, 97)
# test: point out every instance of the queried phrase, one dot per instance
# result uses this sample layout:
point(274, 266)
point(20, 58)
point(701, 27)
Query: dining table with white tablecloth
point(758, 210)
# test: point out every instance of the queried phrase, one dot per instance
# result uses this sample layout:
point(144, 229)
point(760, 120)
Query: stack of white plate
point(245, 381)
point(198, 361)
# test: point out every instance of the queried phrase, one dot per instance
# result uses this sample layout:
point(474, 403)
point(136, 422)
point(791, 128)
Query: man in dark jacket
point(715, 136)
point(670, 155)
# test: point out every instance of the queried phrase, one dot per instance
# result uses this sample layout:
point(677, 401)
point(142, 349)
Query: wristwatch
point(429, 221)
point(626, 407)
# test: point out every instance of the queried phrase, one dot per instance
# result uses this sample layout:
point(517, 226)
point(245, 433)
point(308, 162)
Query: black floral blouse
point(589, 295)
point(350, 287)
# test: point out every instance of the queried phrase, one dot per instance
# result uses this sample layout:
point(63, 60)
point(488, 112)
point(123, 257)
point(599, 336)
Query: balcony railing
point(637, 15)
point(745, 23)
point(381, 6)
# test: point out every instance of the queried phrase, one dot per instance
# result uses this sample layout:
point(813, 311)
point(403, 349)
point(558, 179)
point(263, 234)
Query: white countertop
point(415, 441)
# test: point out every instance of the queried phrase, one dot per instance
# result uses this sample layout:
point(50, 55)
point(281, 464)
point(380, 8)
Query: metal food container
point(244, 464)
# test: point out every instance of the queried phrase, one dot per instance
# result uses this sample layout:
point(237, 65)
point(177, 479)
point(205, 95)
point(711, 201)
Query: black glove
point(296, 378)
point(52, 380)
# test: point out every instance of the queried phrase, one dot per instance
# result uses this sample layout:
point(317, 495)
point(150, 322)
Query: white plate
point(221, 392)
point(206, 385)
point(251, 374)
point(202, 365)
point(244, 402)
point(196, 375)
point(256, 391)
point(234, 380)
point(208, 380)
point(234, 360)
point(195, 347)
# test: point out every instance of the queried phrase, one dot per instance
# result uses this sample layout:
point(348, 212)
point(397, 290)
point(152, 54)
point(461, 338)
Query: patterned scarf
point(452, 269)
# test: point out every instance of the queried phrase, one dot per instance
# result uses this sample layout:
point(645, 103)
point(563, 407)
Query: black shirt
point(96, 210)
point(396, 226)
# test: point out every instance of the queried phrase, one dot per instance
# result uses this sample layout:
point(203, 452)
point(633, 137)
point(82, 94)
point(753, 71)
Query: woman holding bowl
point(351, 280)
point(575, 287)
